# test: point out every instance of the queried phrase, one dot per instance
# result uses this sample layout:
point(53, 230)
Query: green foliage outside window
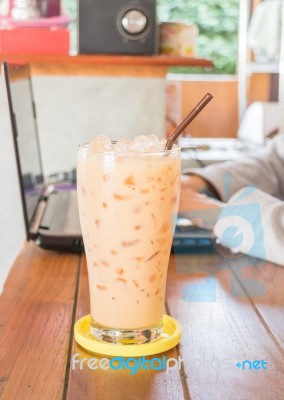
point(70, 8)
point(217, 22)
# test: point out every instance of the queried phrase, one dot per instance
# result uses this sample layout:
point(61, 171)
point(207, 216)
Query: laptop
point(188, 238)
point(50, 211)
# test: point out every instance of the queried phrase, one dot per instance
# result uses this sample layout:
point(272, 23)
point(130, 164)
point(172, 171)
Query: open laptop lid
point(25, 134)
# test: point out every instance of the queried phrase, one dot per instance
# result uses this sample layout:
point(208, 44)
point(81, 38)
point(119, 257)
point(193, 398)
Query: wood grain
point(218, 334)
point(109, 384)
point(239, 320)
point(35, 321)
point(212, 122)
point(99, 70)
point(104, 65)
point(263, 283)
point(108, 59)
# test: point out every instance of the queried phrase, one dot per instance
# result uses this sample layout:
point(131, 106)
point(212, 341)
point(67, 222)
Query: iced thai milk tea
point(128, 195)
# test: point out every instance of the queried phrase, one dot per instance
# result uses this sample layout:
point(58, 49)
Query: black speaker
point(118, 27)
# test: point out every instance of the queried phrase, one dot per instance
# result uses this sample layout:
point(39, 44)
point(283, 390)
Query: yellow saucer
point(169, 339)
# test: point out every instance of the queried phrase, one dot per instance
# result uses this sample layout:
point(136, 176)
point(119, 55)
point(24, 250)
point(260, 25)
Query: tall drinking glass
point(128, 205)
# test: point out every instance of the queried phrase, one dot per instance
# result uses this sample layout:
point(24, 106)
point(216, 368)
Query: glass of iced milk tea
point(128, 194)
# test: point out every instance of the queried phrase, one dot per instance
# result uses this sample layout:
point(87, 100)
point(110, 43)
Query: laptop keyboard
point(72, 218)
point(61, 215)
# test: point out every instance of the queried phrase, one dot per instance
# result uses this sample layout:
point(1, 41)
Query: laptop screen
point(24, 127)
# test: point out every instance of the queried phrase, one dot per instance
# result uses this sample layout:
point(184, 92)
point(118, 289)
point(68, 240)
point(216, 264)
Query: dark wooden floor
point(231, 310)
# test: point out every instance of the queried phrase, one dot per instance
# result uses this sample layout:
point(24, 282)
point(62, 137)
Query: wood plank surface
point(218, 333)
point(109, 384)
point(231, 310)
point(36, 309)
point(109, 59)
point(263, 282)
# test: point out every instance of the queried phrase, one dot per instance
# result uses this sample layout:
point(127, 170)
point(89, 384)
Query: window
point(217, 22)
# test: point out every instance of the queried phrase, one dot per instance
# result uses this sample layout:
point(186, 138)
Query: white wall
point(72, 110)
point(12, 230)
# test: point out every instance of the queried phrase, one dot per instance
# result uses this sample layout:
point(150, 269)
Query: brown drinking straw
point(181, 127)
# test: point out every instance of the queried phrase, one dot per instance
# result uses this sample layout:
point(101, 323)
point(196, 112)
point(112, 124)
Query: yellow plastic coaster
point(169, 339)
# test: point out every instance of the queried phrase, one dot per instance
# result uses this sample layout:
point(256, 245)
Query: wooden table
point(238, 316)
